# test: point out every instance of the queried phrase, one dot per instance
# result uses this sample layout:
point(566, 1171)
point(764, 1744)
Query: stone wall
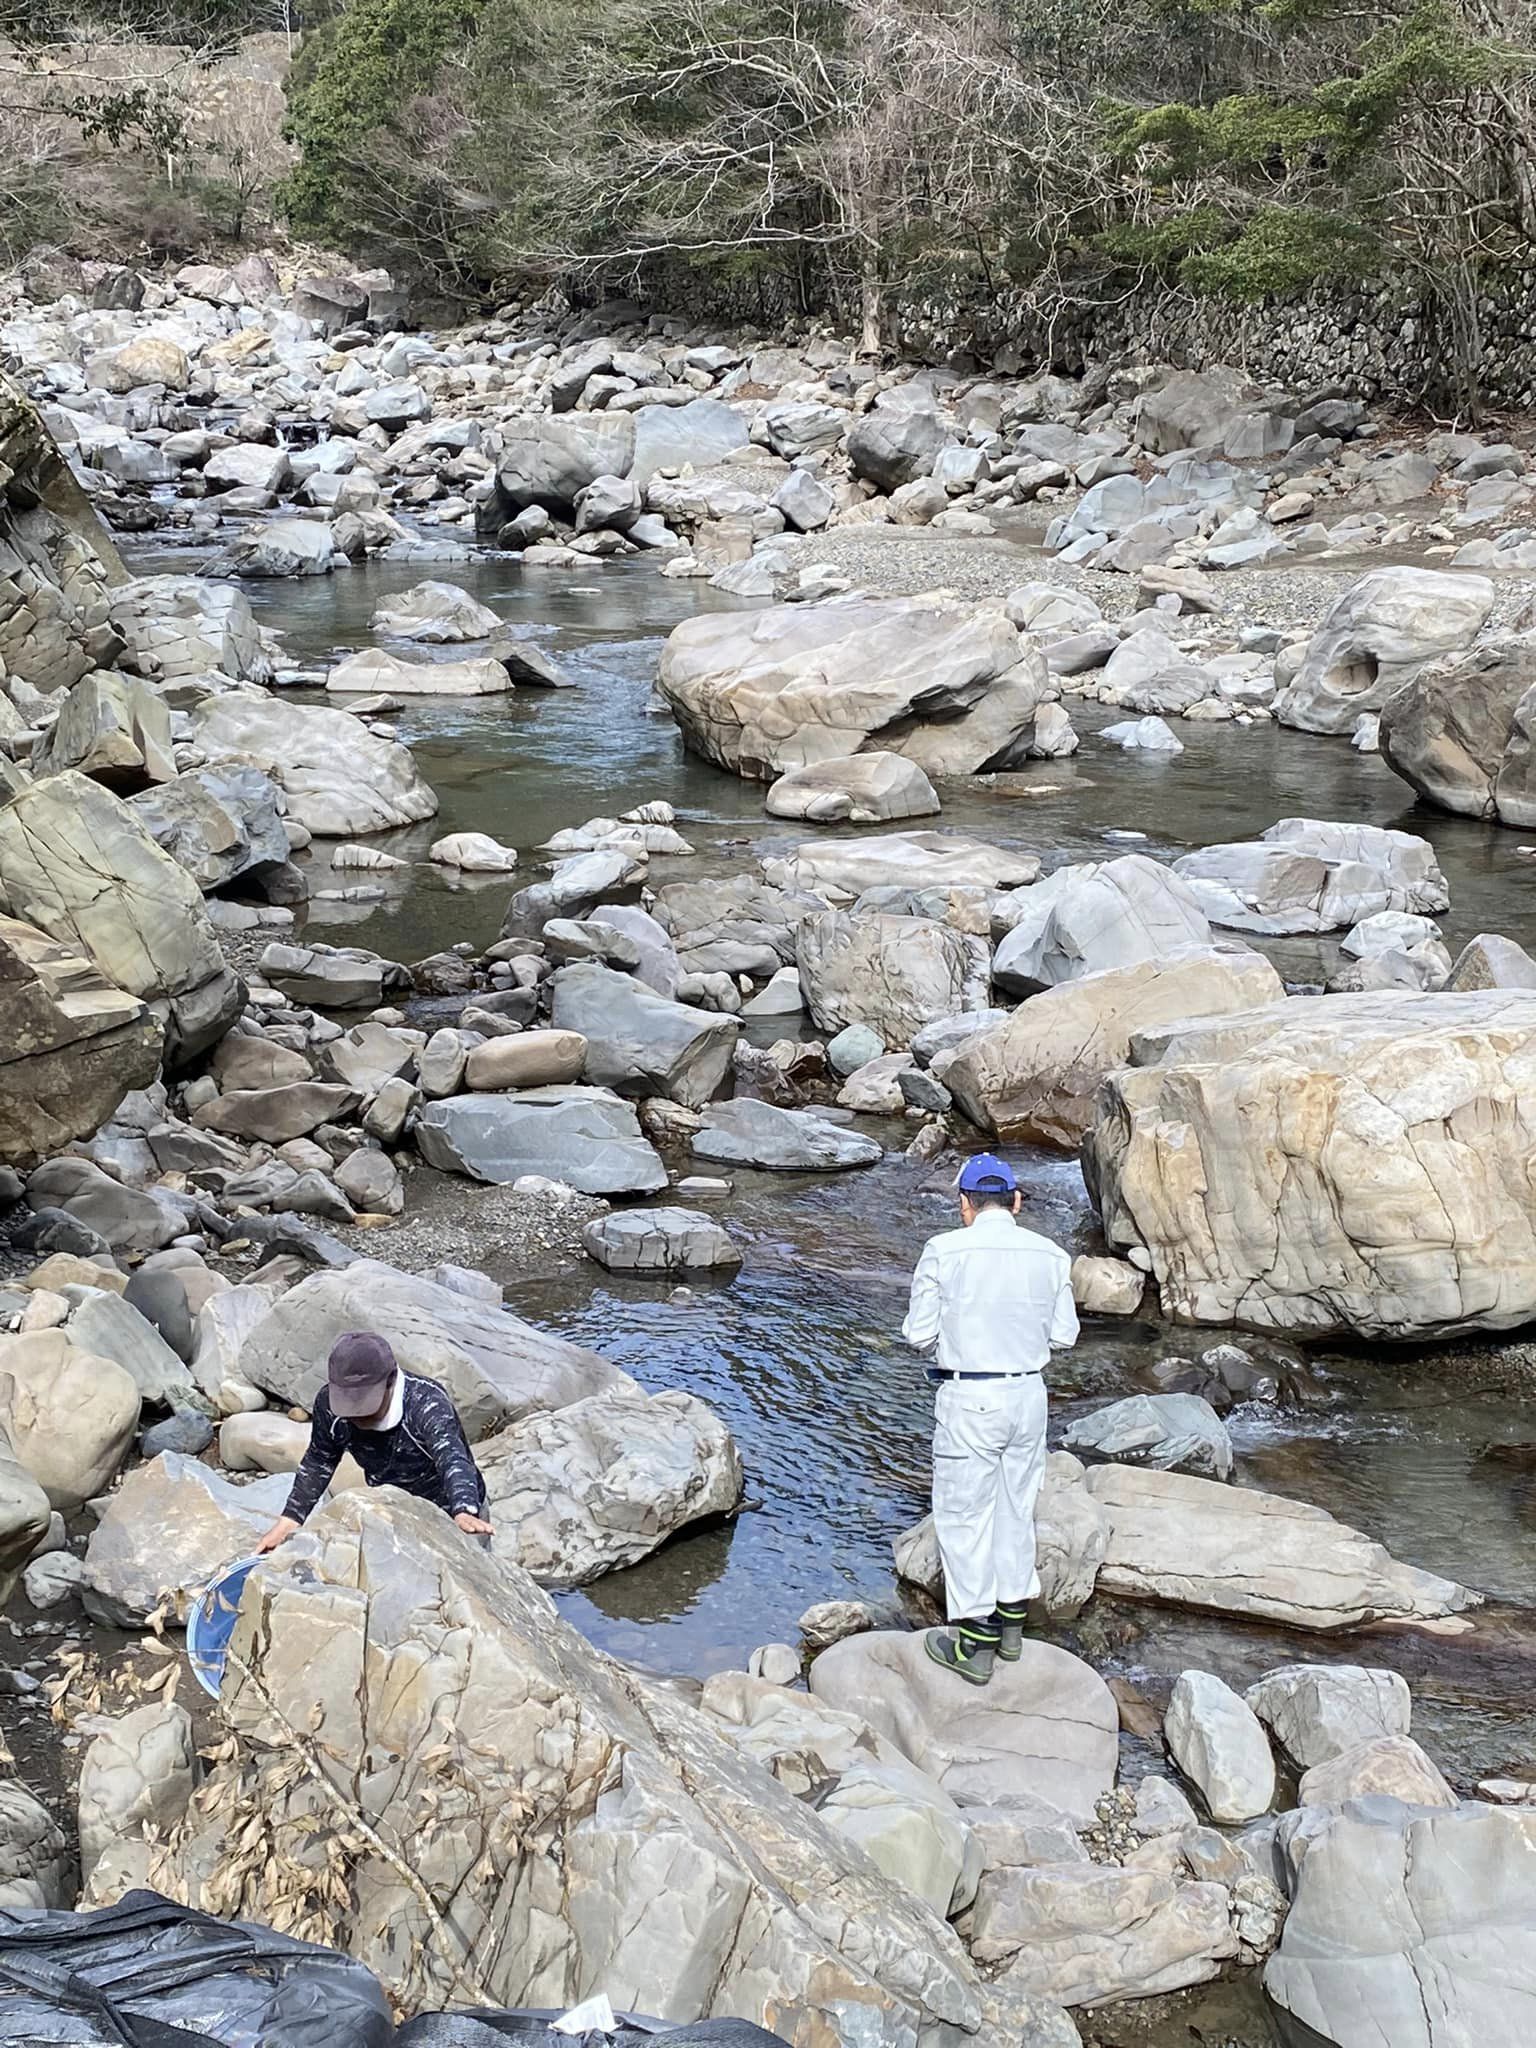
point(1383, 344)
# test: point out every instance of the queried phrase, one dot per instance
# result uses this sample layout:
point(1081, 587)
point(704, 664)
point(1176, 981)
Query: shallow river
point(800, 1353)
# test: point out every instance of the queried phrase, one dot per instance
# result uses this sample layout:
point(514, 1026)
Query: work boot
point(1009, 1621)
point(967, 1650)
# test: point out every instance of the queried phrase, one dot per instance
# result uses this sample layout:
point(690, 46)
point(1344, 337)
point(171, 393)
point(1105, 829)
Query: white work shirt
point(993, 1298)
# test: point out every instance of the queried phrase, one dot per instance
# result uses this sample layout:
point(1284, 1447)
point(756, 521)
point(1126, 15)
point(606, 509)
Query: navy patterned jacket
point(426, 1453)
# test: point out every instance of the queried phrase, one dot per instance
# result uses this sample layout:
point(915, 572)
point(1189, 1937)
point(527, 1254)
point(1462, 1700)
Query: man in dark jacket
point(402, 1430)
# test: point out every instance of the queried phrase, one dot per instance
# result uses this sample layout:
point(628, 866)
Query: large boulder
point(222, 824)
point(1409, 1927)
point(1169, 1432)
point(1458, 731)
point(1045, 1729)
point(895, 442)
point(638, 1042)
point(1090, 1934)
point(1219, 1744)
point(435, 612)
point(907, 1826)
point(599, 1483)
point(71, 1045)
point(693, 436)
point(130, 1219)
point(583, 1136)
point(108, 1326)
point(894, 974)
point(1097, 915)
point(762, 692)
point(861, 789)
point(550, 461)
point(1232, 1550)
point(179, 626)
point(524, 1059)
point(1386, 1767)
point(334, 977)
point(1318, 1711)
point(163, 1534)
point(373, 671)
point(496, 1368)
point(340, 779)
point(111, 728)
point(144, 360)
point(1311, 875)
point(574, 887)
point(281, 547)
point(1193, 408)
point(1356, 1163)
point(70, 1417)
point(248, 465)
point(901, 860)
point(276, 1116)
point(1036, 1078)
point(736, 926)
point(665, 1240)
point(1376, 636)
point(79, 864)
point(746, 1132)
point(663, 1864)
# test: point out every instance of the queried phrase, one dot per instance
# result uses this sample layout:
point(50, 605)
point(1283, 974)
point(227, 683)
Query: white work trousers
point(988, 1461)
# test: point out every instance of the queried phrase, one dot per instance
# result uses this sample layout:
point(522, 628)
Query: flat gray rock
point(659, 1241)
point(165, 1532)
point(1045, 1728)
point(749, 1133)
point(496, 1367)
point(582, 1136)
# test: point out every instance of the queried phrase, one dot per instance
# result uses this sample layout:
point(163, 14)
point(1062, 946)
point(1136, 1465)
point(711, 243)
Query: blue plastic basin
point(212, 1622)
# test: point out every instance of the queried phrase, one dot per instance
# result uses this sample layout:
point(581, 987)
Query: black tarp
point(150, 1974)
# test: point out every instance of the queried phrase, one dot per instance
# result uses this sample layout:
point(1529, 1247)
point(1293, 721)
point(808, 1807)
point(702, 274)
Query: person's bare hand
point(279, 1532)
point(473, 1525)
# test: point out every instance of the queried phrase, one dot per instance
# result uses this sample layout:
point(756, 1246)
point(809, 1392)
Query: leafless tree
point(914, 136)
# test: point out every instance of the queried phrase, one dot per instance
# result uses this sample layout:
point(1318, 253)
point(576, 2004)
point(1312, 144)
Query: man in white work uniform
point(990, 1300)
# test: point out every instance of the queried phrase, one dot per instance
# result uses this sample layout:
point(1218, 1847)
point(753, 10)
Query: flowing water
point(800, 1353)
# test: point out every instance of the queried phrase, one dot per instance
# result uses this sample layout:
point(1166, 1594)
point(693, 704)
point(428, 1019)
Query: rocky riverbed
point(552, 841)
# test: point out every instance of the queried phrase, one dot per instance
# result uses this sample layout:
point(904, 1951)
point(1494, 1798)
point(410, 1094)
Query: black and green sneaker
point(967, 1650)
point(1009, 1622)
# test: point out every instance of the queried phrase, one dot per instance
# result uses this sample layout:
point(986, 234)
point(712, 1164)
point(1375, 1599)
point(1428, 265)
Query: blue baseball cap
point(987, 1175)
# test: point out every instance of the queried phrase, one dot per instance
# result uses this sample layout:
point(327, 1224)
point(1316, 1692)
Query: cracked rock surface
point(1350, 1163)
point(574, 1824)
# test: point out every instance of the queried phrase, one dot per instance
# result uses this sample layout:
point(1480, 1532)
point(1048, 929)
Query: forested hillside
point(842, 153)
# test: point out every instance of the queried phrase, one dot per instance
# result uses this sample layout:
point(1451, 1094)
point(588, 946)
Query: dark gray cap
point(360, 1370)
